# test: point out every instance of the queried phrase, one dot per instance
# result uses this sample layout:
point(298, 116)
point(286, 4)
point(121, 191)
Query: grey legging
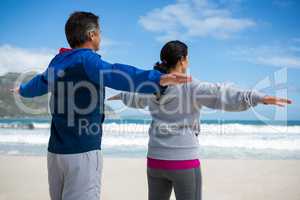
point(186, 183)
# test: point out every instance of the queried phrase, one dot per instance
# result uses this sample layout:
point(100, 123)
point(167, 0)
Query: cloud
point(108, 42)
point(194, 18)
point(15, 59)
point(109, 45)
point(276, 56)
point(287, 61)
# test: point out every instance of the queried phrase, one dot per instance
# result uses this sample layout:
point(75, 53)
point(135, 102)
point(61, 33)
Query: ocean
point(230, 139)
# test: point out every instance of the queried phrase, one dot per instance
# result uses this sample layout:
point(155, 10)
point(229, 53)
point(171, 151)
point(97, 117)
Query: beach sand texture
point(25, 178)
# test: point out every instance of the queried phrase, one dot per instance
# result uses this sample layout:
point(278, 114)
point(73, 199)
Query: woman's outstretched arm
point(229, 97)
point(132, 100)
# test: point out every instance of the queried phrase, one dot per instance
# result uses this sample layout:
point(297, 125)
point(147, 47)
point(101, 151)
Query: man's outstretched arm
point(128, 78)
point(37, 86)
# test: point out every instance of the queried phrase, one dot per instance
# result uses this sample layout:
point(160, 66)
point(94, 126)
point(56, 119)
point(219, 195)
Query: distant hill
point(9, 108)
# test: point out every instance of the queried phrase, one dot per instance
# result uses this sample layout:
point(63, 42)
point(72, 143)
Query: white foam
point(34, 139)
point(25, 126)
point(13, 152)
point(212, 135)
point(125, 128)
point(244, 142)
point(41, 125)
point(233, 128)
point(118, 141)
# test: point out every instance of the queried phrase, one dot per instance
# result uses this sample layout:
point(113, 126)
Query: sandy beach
point(25, 178)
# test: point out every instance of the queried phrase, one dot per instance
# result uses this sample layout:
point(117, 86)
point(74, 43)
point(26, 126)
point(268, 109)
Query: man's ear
point(91, 36)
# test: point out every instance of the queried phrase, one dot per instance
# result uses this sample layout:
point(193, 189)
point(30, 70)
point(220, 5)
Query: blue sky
point(254, 44)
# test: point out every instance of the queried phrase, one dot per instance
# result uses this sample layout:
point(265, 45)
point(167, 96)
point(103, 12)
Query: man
point(76, 79)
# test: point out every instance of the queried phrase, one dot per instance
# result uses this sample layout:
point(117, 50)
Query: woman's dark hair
point(78, 26)
point(170, 54)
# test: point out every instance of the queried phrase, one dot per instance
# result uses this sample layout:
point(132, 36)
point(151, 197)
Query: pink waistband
point(172, 164)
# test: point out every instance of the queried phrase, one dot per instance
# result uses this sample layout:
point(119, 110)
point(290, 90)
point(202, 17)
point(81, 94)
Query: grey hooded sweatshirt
point(175, 114)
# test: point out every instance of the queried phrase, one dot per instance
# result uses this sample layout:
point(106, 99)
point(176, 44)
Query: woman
point(173, 150)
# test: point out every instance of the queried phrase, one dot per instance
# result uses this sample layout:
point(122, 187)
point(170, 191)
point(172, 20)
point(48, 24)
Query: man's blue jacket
point(76, 80)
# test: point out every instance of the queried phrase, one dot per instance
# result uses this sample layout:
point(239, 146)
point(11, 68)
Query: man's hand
point(270, 100)
point(15, 90)
point(115, 97)
point(174, 78)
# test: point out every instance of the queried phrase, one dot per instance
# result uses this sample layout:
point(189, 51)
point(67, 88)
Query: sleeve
point(121, 77)
point(134, 100)
point(37, 86)
point(224, 96)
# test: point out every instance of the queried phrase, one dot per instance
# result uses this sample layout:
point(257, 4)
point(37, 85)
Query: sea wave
point(216, 129)
point(262, 141)
point(227, 128)
point(25, 125)
point(251, 143)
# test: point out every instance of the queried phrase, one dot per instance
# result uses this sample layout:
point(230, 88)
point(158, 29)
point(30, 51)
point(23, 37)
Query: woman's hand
point(115, 97)
point(270, 100)
point(174, 78)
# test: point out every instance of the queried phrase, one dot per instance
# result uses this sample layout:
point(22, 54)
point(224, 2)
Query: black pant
point(187, 184)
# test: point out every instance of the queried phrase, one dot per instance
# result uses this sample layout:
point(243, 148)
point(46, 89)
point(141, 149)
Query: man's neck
point(86, 46)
